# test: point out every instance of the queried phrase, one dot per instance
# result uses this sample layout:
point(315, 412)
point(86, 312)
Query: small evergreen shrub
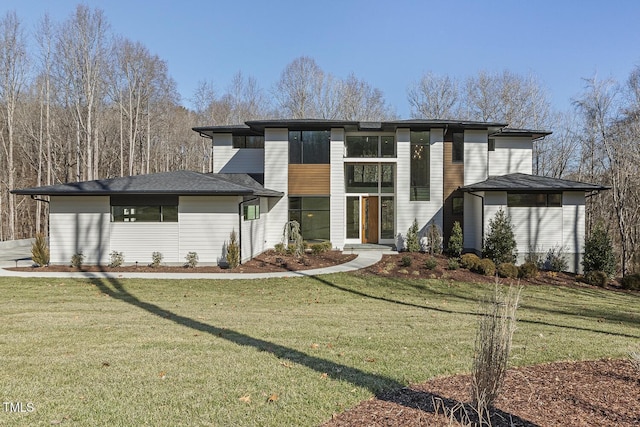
point(318, 248)
point(555, 260)
point(411, 241)
point(156, 259)
point(116, 259)
point(486, 267)
point(598, 252)
point(40, 251)
point(528, 270)
point(430, 263)
point(596, 278)
point(233, 250)
point(631, 281)
point(469, 261)
point(455, 246)
point(280, 249)
point(434, 239)
point(500, 242)
point(405, 261)
point(507, 270)
point(77, 260)
point(192, 259)
point(452, 264)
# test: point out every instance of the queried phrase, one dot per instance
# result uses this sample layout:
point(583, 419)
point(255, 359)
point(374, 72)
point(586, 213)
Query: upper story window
point(492, 144)
point(309, 147)
point(420, 187)
point(140, 208)
point(457, 152)
point(530, 200)
point(370, 146)
point(248, 141)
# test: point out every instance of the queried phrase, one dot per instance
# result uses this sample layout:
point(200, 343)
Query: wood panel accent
point(306, 180)
point(453, 174)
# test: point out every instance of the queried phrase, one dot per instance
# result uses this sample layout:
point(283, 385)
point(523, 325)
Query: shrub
point(469, 261)
point(292, 238)
point(596, 278)
point(534, 256)
point(77, 260)
point(192, 259)
point(500, 242)
point(452, 264)
point(631, 281)
point(279, 248)
point(455, 246)
point(40, 251)
point(156, 259)
point(528, 270)
point(598, 252)
point(233, 250)
point(116, 259)
point(430, 263)
point(555, 260)
point(486, 267)
point(496, 326)
point(318, 248)
point(405, 261)
point(411, 241)
point(434, 239)
point(507, 270)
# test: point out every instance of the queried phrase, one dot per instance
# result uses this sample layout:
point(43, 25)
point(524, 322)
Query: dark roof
point(524, 182)
point(531, 133)
point(178, 182)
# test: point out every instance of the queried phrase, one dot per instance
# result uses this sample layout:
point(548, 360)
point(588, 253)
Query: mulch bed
point(594, 393)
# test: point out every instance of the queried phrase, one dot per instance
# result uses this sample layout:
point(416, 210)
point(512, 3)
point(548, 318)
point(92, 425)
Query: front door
point(370, 219)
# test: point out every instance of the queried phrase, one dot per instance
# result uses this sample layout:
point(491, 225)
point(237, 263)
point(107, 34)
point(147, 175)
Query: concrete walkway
point(8, 257)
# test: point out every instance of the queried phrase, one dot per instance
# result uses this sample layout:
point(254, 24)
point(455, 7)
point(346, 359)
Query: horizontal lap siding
point(276, 156)
point(309, 179)
point(205, 225)
point(511, 156)
point(253, 233)
point(337, 200)
point(138, 240)
point(227, 159)
point(537, 228)
point(573, 216)
point(79, 224)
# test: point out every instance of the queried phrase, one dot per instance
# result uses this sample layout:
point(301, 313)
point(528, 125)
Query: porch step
point(368, 247)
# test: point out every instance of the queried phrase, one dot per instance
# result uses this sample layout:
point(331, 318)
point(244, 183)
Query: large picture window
point(309, 147)
point(420, 188)
point(370, 146)
point(531, 200)
point(141, 208)
point(248, 141)
point(370, 178)
point(312, 213)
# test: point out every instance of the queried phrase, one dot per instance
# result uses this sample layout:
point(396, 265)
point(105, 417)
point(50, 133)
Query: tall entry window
point(420, 160)
point(370, 146)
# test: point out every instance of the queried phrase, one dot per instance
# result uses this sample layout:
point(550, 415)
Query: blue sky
point(389, 44)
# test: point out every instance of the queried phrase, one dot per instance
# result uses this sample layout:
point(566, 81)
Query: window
point(419, 165)
point(309, 147)
point(370, 146)
point(312, 213)
point(139, 208)
point(353, 217)
point(492, 145)
point(457, 152)
point(528, 200)
point(370, 178)
point(251, 212)
point(458, 205)
point(387, 218)
point(248, 141)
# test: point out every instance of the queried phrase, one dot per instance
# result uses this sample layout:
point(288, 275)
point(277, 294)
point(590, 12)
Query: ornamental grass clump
point(40, 251)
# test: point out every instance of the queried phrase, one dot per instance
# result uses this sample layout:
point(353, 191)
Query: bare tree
point(296, 90)
point(434, 97)
point(358, 100)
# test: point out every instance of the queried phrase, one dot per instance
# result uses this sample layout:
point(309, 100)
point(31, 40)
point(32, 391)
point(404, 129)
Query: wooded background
point(85, 104)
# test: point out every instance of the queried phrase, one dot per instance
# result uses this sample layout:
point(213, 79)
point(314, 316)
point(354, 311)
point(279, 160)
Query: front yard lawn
point(270, 352)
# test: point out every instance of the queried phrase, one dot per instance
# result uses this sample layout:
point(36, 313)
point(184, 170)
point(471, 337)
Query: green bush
point(486, 267)
point(233, 250)
point(40, 251)
point(555, 260)
point(500, 242)
point(469, 261)
point(412, 243)
point(528, 270)
point(192, 259)
point(596, 278)
point(405, 261)
point(598, 252)
point(430, 263)
point(455, 246)
point(318, 248)
point(434, 239)
point(116, 259)
point(452, 264)
point(77, 260)
point(156, 259)
point(631, 281)
point(280, 249)
point(507, 270)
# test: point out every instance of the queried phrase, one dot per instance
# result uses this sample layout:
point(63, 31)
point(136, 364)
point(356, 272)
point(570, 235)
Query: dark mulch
point(595, 393)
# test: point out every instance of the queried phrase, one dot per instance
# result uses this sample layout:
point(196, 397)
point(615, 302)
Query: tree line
point(81, 103)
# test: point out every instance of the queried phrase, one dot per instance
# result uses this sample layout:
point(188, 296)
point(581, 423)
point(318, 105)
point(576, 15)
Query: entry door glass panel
point(387, 218)
point(353, 217)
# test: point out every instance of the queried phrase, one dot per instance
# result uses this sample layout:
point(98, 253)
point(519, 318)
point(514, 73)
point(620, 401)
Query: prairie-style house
point(351, 182)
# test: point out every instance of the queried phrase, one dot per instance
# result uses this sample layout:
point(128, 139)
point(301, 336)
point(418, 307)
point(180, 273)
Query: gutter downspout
point(240, 224)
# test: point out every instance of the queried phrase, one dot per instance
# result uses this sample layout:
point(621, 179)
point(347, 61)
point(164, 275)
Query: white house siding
point(407, 210)
point(253, 233)
point(536, 229)
point(79, 224)
point(475, 156)
point(138, 240)
point(227, 159)
point(337, 201)
point(512, 155)
point(573, 223)
point(493, 202)
point(472, 227)
point(276, 158)
point(205, 225)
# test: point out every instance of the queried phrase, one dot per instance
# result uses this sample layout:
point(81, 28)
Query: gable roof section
point(178, 182)
point(524, 182)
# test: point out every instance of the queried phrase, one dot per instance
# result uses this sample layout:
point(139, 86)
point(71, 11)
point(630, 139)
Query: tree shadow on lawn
point(382, 387)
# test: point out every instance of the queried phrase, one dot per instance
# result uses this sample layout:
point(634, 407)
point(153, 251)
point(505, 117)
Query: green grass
point(199, 352)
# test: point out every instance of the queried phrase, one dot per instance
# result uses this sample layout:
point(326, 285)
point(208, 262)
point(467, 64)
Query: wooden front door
point(370, 219)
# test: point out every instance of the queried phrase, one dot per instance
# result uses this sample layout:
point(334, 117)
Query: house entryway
point(370, 219)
